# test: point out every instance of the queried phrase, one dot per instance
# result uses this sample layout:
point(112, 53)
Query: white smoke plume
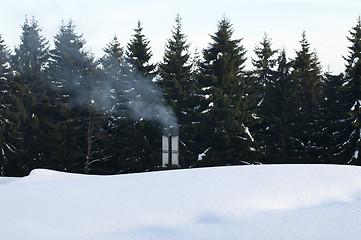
point(139, 97)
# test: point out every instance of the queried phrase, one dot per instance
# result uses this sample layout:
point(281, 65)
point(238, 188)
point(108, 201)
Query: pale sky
point(326, 22)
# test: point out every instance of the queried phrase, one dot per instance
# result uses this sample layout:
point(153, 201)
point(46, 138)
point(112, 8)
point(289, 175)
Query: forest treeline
point(63, 109)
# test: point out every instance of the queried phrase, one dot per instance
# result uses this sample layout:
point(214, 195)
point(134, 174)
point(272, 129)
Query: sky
point(326, 22)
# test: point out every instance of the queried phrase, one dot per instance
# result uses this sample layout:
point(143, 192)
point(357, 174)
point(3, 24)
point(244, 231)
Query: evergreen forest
point(63, 109)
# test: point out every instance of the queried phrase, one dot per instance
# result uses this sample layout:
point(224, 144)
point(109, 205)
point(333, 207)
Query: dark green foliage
point(179, 86)
point(13, 128)
point(139, 53)
point(73, 71)
point(12, 116)
point(352, 96)
point(31, 56)
point(60, 109)
point(39, 129)
point(306, 73)
point(225, 112)
point(334, 121)
point(130, 143)
point(134, 146)
point(114, 73)
point(264, 64)
point(72, 68)
point(264, 79)
point(175, 69)
point(276, 111)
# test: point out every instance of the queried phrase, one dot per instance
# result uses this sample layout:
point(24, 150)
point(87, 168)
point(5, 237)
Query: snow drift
point(243, 202)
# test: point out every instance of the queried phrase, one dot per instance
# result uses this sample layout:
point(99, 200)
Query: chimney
point(170, 150)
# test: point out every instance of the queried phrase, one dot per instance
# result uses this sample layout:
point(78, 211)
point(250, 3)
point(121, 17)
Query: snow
point(129, 90)
point(246, 130)
point(254, 115)
point(206, 88)
point(345, 83)
point(242, 202)
point(8, 147)
point(206, 111)
point(203, 154)
point(206, 96)
point(355, 60)
point(356, 104)
point(355, 155)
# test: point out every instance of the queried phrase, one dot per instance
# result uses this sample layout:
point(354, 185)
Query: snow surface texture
point(243, 202)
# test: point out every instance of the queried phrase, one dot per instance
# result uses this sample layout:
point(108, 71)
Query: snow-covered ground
point(243, 202)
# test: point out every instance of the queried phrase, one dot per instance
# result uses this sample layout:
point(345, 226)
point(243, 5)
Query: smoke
point(114, 88)
point(127, 93)
point(146, 103)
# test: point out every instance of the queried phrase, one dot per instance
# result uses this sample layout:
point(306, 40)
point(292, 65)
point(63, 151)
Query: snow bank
point(4, 180)
point(243, 202)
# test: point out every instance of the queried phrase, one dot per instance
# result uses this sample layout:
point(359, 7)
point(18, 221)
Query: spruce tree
point(225, 132)
point(11, 117)
point(178, 85)
point(306, 73)
point(14, 116)
point(114, 79)
point(275, 112)
point(139, 52)
point(31, 56)
point(130, 142)
point(40, 129)
point(352, 97)
point(138, 55)
point(334, 121)
point(263, 74)
point(114, 84)
point(73, 71)
point(264, 64)
point(175, 68)
point(72, 67)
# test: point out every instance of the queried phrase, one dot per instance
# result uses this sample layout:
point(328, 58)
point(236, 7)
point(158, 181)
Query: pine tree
point(11, 116)
point(72, 67)
point(30, 63)
point(275, 112)
point(73, 71)
point(114, 85)
point(113, 55)
point(175, 69)
point(31, 56)
point(225, 132)
point(141, 72)
point(263, 74)
point(352, 97)
point(130, 142)
point(306, 73)
point(139, 53)
point(264, 63)
point(334, 121)
point(115, 71)
point(178, 85)
point(14, 128)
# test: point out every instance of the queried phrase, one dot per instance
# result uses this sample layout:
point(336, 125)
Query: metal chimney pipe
point(175, 150)
point(170, 150)
point(165, 151)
